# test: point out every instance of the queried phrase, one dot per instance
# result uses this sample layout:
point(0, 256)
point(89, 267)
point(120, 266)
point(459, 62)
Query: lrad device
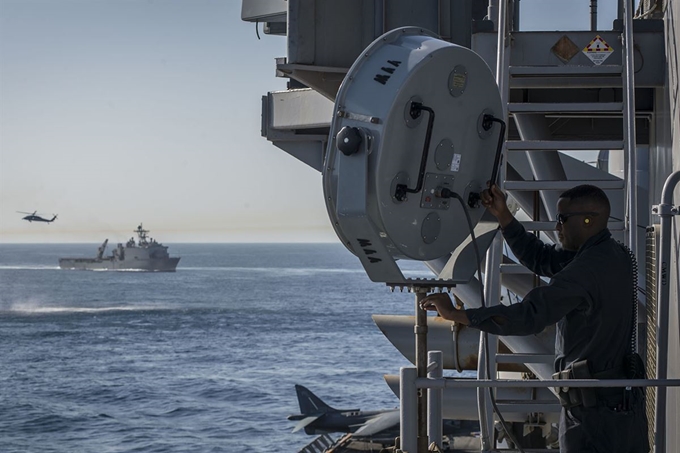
point(415, 137)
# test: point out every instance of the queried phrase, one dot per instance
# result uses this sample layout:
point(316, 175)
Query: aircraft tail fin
point(54, 218)
point(310, 403)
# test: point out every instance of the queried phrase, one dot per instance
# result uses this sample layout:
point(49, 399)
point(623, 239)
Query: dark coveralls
point(590, 298)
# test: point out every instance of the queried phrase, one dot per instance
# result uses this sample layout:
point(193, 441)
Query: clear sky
point(116, 112)
point(120, 112)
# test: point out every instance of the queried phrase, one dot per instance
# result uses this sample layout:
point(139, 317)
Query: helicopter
point(33, 217)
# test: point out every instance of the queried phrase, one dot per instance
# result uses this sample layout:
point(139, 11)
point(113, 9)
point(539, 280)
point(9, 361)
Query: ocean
point(201, 360)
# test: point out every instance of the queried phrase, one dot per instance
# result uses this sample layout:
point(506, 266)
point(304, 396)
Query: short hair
point(588, 193)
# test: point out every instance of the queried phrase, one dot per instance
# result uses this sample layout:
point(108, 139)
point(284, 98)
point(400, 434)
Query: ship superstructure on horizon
point(144, 255)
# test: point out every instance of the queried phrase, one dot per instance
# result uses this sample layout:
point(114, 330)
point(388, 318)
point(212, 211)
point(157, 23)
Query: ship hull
point(109, 264)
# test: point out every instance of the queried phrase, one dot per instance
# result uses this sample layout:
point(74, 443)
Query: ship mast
point(141, 233)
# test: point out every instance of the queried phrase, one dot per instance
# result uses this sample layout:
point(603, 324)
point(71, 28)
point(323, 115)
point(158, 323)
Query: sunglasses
point(562, 218)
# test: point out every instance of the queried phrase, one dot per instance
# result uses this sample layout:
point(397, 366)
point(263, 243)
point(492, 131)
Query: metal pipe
point(501, 63)
point(495, 253)
point(491, 12)
point(460, 403)
point(629, 124)
point(435, 399)
point(489, 344)
point(665, 210)
point(593, 15)
point(378, 17)
point(515, 16)
point(421, 366)
point(425, 383)
point(483, 404)
point(408, 430)
point(537, 217)
point(459, 344)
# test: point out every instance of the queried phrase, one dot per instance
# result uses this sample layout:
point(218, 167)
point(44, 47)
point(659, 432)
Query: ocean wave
point(33, 308)
point(302, 271)
point(28, 267)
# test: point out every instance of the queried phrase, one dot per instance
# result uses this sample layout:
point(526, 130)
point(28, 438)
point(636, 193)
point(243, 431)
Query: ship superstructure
point(566, 94)
point(146, 254)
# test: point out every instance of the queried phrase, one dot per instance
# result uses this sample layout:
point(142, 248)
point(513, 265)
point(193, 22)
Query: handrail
point(492, 286)
point(665, 210)
point(410, 383)
point(431, 383)
point(630, 149)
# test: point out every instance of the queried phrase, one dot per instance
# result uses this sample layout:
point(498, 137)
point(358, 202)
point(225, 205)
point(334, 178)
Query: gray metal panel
point(306, 149)
point(333, 34)
point(299, 109)
point(329, 33)
point(324, 79)
point(289, 116)
point(264, 10)
point(534, 49)
point(407, 13)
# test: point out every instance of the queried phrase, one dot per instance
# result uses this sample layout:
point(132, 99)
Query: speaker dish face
point(407, 124)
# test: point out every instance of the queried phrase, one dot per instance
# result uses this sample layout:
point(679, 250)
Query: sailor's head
point(582, 212)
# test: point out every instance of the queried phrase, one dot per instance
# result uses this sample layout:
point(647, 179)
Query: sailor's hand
point(440, 302)
point(494, 201)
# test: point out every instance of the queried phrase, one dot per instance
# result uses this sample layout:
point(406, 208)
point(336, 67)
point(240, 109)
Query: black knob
point(349, 140)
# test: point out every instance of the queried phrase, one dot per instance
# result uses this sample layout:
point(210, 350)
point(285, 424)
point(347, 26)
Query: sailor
point(590, 296)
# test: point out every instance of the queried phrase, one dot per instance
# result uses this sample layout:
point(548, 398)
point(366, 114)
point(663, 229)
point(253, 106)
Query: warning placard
point(598, 50)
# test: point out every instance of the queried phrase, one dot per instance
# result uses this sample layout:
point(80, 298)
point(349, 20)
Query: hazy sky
point(116, 112)
point(120, 112)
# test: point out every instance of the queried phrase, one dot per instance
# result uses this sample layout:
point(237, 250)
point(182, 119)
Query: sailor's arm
point(494, 201)
point(540, 308)
point(538, 257)
point(441, 303)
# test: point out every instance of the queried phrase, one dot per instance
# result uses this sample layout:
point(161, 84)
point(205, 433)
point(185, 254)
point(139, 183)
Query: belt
point(588, 396)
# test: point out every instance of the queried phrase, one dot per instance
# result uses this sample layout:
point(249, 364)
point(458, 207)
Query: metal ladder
point(542, 150)
point(542, 153)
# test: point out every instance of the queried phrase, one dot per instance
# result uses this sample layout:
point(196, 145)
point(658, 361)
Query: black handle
point(402, 189)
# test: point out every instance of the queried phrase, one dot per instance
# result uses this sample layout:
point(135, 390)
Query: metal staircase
point(539, 98)
point(548, 90)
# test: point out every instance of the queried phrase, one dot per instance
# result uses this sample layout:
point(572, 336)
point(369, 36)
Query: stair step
point(516, 268)
point(562, 185)
point(538, 226)
point(532, 71)
point(556, 145)
point(550, 226)
point(528, 407)
point(560, 107)
point(565, 82)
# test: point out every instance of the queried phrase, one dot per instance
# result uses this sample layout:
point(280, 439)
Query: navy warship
point(144, 255)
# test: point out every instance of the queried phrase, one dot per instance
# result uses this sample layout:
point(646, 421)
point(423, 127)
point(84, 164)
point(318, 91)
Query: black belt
point(589, 396)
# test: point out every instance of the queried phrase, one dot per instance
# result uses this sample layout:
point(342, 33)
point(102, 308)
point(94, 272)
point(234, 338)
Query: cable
point(446, 193)
point(633, 336)
point(635, 365)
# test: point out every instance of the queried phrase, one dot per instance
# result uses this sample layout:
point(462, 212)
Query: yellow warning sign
point(598, 50)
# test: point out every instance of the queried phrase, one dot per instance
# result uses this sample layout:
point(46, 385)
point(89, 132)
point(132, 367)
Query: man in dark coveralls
point(590, 298)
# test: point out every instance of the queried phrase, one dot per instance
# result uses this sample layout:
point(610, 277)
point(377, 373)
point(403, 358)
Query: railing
point(666, 211)
point(410, 383)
